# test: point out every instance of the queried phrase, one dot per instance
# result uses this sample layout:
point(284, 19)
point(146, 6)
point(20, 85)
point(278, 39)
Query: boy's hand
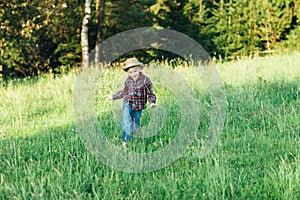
point(109, 97)
point(153, 105)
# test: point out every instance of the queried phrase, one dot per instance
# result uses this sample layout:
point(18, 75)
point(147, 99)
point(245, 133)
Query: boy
point(137, 89)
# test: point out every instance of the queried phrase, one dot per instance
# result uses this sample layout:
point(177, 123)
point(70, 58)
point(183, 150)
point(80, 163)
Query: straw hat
point(132, 62)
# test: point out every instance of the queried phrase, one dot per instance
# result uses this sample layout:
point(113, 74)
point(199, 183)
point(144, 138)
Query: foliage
point(247, 27)
point(39, 36)
point(43, 36)
point(290, 41)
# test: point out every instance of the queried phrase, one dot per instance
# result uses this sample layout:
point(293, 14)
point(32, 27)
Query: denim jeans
point(130, 122)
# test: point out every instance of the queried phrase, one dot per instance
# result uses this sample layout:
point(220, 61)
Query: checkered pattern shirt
point(137, 92)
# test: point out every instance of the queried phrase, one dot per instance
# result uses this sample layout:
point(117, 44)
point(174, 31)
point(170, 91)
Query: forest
point(39, 36)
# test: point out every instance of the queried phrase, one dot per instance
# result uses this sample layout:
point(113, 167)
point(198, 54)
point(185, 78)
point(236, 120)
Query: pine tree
point(291, 36)
point(225, 25)
point(245, 27)
point(274, 18)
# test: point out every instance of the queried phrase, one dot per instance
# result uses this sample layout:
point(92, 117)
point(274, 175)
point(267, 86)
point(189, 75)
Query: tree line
point(39, 36)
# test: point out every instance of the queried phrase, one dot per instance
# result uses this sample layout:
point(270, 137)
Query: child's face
point(134, 72)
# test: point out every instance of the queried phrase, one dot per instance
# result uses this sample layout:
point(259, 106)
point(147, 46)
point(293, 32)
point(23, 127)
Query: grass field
point(256, 157)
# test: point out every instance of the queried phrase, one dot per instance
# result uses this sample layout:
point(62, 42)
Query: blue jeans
point(130, 122)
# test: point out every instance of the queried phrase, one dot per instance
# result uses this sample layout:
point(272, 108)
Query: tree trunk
point(100, 15)
point(85, 35)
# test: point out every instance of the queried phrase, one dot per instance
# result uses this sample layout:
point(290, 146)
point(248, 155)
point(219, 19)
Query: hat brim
point(133, 65)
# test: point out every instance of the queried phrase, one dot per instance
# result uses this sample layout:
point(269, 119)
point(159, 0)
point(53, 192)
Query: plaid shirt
point(137, 92)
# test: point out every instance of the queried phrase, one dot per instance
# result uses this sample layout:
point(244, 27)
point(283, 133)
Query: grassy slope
point(257, 156)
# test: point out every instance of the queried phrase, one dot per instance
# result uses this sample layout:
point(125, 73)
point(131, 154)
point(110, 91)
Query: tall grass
point(257, 156)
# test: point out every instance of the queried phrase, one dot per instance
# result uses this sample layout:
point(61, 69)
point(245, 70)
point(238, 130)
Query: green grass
point(257, 156)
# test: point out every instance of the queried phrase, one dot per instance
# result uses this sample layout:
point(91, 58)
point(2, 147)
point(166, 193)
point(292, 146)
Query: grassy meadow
point(256, 157)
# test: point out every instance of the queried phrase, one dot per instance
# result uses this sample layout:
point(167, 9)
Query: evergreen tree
point(274, 19)
point(123, 15)
point(291, 37)
point(243, 27)
point(197, 12)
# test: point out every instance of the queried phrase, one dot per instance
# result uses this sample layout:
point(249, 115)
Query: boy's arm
point(151, 96)
point(120, 94)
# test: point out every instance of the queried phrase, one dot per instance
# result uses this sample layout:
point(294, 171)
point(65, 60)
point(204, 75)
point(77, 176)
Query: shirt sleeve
point(151, 96)
point(120, 94)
